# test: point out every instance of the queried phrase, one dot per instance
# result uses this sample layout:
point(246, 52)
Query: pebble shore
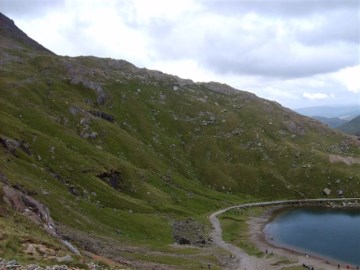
point(14, 265)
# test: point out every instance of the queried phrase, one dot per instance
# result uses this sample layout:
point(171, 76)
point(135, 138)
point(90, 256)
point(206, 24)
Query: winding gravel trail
point(243, 260)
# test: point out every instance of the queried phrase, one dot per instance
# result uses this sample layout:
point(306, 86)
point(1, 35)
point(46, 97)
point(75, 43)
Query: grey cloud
point(267, 56)
point(236, 50)
point(327, 47)
point(258, 53)
point(280, 65)
point(335, 91)
point(283, 8)
point(337, 26)
point(28, 8)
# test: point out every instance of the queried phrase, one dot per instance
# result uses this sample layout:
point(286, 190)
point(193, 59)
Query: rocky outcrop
point(35, 249)
point(34, 210)
point(344, 159)
point(101, 95)
point(294, 128)
point(65, 259)
point(89, 135)
point(226, 89)
point(27, 205)
point(15, 265)
point(327, 191)
point(103, 115)
point(220, 88)
point(189, 232)
point(12, 145)
point(112, 178)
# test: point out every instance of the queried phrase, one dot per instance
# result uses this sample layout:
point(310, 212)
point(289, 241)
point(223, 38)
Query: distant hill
point(343, 112)
point(331, 122)
point(352, 127)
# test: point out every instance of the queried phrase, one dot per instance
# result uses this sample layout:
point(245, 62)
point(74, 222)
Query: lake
point(329, 233)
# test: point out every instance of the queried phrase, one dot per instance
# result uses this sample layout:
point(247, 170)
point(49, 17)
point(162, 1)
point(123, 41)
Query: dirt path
point(247, 262)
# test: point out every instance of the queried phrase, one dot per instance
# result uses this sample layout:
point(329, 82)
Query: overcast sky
point(299, 53)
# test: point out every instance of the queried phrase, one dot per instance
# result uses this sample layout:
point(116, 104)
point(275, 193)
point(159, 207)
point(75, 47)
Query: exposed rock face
point(34, 210)
point(91, 135)
point(14, 265)
point(344, 159)
point(74, 110)
point(293, 128)
point(112, 178)
point(23, 203)
point(39, 250)
point(12, 145)
point(220, 88)
point(65, 259)
point(102, 115)
point(189, 232)
point(101, 95)
point(226, 89)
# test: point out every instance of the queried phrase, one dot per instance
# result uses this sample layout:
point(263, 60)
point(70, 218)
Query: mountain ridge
point(10, 31)
point(345, 112)
point(331, 122)
point(352, 126)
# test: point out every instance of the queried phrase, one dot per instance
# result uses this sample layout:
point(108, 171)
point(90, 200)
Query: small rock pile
point(189, 232)
point(14, 265)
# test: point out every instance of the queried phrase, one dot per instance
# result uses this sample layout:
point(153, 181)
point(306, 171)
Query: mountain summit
point(123, 162)
point(12, 36)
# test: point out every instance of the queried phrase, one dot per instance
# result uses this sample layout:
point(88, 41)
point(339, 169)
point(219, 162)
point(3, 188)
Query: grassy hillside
point(119, 153)
point(352, 127)
point(331, 122)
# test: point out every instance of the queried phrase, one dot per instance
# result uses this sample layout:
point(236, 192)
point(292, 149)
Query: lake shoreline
point(281, 259)
point(263, 242)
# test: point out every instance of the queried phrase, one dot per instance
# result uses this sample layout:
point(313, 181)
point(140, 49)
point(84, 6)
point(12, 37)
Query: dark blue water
point(332, 233)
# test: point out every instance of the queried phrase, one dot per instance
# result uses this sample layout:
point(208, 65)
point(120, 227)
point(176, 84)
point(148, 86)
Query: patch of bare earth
point(342, 159)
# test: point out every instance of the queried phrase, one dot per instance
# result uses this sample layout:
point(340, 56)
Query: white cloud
point(350, 78)
point(185, 68)
point(94, 28)
point(313, 96)
point(276, 93)
point(297, 53)
point(146, 10)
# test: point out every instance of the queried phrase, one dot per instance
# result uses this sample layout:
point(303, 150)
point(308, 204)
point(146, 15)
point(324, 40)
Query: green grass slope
point(118, 152)
point(352, 127)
